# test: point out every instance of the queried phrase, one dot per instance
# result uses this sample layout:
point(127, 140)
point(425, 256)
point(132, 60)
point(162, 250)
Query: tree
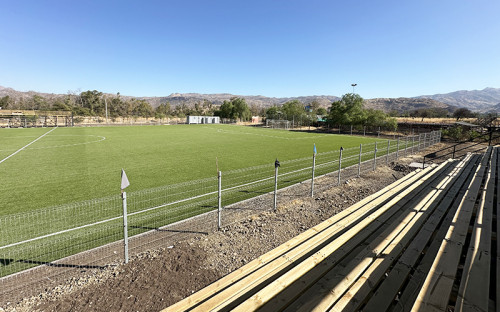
point(235, 108)
point(226, 110)
point(347, 111)
point(240, 109)
point(5, 102)
point(92, 100)
point(293, 110)
point(462, 113)
point(321, 111)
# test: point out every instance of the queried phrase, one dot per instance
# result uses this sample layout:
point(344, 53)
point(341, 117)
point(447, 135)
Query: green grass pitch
point(75, 164)
point(67, 166)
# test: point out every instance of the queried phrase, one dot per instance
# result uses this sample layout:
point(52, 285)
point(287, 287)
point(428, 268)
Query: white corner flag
point(125, 181)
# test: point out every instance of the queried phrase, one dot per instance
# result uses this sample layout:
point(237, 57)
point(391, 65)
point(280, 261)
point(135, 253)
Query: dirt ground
point(153, 280)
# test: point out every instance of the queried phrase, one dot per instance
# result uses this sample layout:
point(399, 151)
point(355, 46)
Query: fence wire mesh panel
point(41, 248)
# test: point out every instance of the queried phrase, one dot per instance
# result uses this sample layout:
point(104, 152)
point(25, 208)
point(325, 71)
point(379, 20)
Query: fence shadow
point(5, 261)
point(168, 230)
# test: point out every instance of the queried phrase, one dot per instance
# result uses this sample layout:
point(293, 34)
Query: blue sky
point(272, 48)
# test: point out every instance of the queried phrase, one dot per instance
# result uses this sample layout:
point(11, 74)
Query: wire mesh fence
point(90, 234)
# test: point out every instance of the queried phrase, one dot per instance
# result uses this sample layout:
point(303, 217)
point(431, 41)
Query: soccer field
point(75, 164)
point(61, 186)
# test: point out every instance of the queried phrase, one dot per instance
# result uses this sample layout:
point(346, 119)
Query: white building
point(203, 119)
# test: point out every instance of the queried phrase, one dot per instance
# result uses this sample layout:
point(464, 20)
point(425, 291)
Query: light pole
point(353, 85)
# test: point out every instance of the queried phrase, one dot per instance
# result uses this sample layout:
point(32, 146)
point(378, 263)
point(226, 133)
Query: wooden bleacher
point(425, 243)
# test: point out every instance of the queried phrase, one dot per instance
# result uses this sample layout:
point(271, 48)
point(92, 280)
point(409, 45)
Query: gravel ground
point(156, 279)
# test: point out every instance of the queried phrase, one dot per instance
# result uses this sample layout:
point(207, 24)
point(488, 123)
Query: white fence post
point(359, 164)
point(397, 150)
point(276, 165)
point(340, 162)
point(412, 144)
point(388, 150)
point(375, 157)
point(406, 145)
point(312, 179)
point(125, 227)
point(219, 222)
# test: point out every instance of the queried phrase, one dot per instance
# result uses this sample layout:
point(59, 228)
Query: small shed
point(203, 119)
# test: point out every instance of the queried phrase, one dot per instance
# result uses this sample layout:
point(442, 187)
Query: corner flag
point(125, 181)
point(315, 152)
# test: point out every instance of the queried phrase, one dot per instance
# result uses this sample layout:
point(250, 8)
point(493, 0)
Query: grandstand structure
point(428, 242)
point(35, 118)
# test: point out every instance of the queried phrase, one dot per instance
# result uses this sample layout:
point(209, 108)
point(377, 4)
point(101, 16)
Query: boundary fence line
point(27, 248)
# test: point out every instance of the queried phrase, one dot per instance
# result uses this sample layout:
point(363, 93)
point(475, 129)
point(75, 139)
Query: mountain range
point(486, 100)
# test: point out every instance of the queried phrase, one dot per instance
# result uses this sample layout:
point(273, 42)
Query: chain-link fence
point(40, 248)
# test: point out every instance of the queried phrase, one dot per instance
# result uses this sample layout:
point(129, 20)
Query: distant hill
point(475, 100)
point(405, 104)
point(486, 100)
point(217, 99)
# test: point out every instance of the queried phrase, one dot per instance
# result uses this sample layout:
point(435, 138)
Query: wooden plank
point(323, 256)
point(237, 275)
point(388, 290)
point(282, 257)
point(435, 293)
point(330, 285)
point(416, 279)
point(424, 209)
point(473, 294)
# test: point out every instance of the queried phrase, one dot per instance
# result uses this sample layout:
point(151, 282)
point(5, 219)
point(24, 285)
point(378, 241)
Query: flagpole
point(125, 226)
point(124, 184)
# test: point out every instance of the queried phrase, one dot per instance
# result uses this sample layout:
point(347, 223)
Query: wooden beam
point(359, 292)
point(416, 279)
point(335, 223)
point(473, 294)
point(322, 256)
point(385, 294)
point(435, 293)
point(320, 286)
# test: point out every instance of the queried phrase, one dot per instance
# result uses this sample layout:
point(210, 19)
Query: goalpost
point(278, 124)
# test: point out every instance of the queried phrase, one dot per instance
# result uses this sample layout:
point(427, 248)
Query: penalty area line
point(1, 161)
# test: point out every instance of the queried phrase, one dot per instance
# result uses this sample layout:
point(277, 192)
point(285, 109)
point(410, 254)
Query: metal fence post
point(364, 130)
point(351, 129)
point(412, 144)
point(388, 151)
point(219, 223)
point(125, 227)
point(375, 157)
point(425, 139)
point(312, 179)
point(340, 162)
point(397, 150)
point(359, 164)
point(276, 165)
point(418, 147)
point(406, 145)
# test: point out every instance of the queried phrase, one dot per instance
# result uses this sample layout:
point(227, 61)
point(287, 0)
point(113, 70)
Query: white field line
point(177, 202)
point(1, 161)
